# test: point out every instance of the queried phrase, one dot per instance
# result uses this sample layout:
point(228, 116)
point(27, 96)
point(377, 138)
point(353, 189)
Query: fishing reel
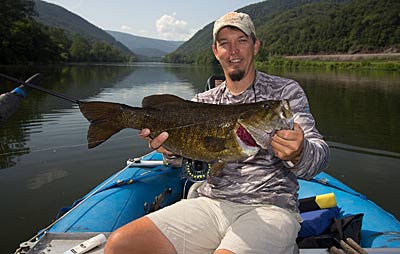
point(195, 171)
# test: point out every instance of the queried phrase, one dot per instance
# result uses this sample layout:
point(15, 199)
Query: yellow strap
point(326, 200)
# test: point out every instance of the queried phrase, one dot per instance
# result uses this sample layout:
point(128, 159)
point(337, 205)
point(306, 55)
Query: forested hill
point(144, 47)
point(56, 16)
point(295, 27)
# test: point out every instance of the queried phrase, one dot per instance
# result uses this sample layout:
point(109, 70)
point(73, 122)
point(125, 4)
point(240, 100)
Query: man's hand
point(156, 143)
point(288, 144)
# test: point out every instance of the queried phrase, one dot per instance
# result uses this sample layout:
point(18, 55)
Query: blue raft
point(147, 185)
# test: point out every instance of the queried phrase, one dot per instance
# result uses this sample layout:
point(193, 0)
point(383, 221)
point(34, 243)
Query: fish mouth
point(246, 142)
point(245, 136)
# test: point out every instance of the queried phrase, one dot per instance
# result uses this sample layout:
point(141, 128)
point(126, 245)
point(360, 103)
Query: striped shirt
point(264, 178)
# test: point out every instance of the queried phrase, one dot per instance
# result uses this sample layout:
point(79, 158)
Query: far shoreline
point(361, 61)
point(347, 57)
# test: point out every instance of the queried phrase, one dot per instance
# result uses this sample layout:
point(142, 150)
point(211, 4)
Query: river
point(45, 163)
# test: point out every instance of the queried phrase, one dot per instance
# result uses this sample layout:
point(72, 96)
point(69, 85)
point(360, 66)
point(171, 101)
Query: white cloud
point(145, 33)
point(169, 28)
point(125, 28)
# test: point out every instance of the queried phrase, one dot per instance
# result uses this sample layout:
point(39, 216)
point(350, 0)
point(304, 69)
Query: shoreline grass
point(362, 64)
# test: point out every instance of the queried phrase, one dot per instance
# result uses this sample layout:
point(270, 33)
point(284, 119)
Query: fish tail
point(104, 118)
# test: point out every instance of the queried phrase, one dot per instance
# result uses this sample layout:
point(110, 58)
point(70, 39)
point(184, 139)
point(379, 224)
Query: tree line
point(308, 27)
point(24, 40)
point(358, 26)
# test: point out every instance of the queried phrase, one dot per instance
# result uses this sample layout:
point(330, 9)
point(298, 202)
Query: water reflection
point(123, 83)
point(75, 81)
point(40, 180)
point(46, 164)
point(356, 108)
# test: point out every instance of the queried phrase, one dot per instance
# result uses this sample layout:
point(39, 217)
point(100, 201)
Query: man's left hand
point(288, 144)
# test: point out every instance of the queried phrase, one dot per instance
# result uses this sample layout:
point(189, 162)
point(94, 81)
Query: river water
point(45, 163)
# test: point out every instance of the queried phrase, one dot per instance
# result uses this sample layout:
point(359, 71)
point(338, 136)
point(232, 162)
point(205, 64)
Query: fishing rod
point(10, 101)
point(31, 85)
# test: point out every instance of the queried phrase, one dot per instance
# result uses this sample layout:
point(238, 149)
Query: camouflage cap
point(239, 20)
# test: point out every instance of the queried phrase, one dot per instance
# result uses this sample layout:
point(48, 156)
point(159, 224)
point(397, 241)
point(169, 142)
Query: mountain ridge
point(307, 27)
point(54, 15)
point(144, 46)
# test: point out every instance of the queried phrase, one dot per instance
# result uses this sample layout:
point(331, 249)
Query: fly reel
point(195, 171)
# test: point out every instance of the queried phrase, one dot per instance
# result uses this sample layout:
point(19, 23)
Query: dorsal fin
point(159, 101)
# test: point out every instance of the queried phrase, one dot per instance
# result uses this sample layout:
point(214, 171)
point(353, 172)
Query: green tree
point(11, 11)
point(31, 44)
point(292, 27)
point(100, 52)
point(103, 52)
point(61, 41)
point(79, 50)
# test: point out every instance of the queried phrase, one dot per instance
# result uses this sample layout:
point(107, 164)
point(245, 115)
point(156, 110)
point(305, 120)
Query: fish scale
point(199, 131)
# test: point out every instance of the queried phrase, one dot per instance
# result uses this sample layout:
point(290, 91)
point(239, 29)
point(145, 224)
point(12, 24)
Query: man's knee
point(113, 244)
point(140, 236)
point(223, 251)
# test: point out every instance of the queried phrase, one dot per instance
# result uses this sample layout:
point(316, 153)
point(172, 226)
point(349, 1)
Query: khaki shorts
point(202, 225)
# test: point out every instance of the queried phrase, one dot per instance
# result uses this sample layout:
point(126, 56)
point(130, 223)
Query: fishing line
point(126, 136)
point(61, 147)
point(65, 97)
point(115, 139)
point(59, 95)
point(121, 138)
point(45, 149)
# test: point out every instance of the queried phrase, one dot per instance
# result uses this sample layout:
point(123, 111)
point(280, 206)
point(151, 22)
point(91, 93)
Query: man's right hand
point(155, 143)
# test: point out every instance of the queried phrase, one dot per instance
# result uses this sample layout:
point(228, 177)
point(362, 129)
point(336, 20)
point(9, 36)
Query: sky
point(175, 20)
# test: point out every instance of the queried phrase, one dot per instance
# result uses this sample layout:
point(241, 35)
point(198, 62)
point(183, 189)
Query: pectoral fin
point(217, 168)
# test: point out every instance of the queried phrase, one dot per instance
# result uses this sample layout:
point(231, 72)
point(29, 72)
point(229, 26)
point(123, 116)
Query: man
point(251, 207)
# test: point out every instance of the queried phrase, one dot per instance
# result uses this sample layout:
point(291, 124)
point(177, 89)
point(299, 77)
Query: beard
point(236, 75)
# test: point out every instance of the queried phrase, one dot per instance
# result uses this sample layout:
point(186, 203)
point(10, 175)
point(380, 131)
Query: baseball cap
point(239, 20)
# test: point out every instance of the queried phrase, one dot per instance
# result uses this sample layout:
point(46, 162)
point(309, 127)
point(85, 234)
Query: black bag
point(340, 229)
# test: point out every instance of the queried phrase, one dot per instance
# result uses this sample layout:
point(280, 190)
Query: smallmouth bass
point(199, 131)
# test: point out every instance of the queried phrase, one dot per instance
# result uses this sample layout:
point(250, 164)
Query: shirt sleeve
point(315, 155)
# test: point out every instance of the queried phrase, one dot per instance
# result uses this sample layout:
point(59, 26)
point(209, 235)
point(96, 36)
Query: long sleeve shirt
point(264, 178)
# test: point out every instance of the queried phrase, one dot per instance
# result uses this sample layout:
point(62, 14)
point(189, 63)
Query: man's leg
point(223, 252)
point(193, 225)
point(266, 229)
point(140, 236)
point(188, 226)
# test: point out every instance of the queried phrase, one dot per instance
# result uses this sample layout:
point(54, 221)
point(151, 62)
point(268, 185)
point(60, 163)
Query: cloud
point(125, 28)
point(169, 28)
point(145, 33)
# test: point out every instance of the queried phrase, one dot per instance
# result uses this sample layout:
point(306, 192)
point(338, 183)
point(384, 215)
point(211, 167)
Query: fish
point(197, 131)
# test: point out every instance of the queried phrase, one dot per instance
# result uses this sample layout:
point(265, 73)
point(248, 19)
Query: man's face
point(235, 51)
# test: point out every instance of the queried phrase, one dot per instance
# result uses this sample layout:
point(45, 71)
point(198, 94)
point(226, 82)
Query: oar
point(28, 84)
